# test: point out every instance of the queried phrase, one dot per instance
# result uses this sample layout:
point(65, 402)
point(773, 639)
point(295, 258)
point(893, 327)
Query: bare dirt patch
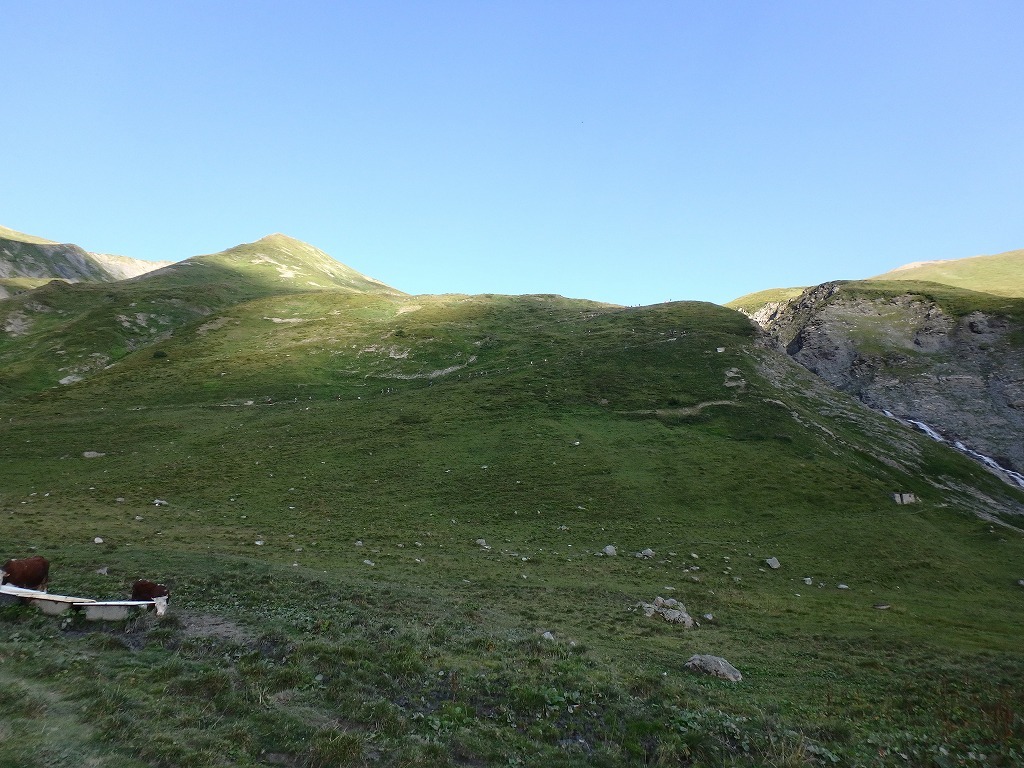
point(210, 625)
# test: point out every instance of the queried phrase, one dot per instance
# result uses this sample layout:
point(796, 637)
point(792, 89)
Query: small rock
point(808, 581)
point(610, 551)
point(92, 454)
point(882, 606)
point(548, 636)
point(646, 554)
point(119, 499)
point(138, 518)
point(715, 666)
point(359, 543)
point(260, 542)
point(773, 563)
point(159, 503)
point(482, 543)
point(709, 617)
point(1021, 582)
point(97, 540)
point(367, 562)
point(103, 571)
point(841, 586)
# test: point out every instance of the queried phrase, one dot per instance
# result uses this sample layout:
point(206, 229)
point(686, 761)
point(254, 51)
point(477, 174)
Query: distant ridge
point(1001, 274)
point(21, 237)
point(38, 259)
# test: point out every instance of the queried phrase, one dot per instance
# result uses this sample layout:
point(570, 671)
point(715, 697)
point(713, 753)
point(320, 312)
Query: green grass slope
point(752, 302)
point(274, 264)
point(35, 258)
point(330, 460)
point(1001, 274)
point(10, 234)
point(61, 333)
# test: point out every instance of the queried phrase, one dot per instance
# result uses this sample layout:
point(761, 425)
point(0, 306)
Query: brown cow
point(29, 573)
point(148, 590)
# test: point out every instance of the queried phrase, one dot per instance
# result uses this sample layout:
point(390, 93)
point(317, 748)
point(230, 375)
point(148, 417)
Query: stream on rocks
point(1008, 475)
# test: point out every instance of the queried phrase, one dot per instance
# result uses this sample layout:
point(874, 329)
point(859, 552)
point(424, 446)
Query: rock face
point(715, 666)
point(962, 374)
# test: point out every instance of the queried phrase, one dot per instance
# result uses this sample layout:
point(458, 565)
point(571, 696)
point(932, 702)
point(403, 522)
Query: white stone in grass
point(97, 540)
point(260, 542)
point(645, 554)
point(482, 543)
point(773, 563)
point(367, 562)
point(610, 551)
point(548, 636)
point(1020, 582)
point(841, 586)
point(808, 580)
point(92, 454)
point(159, 503)
point(715, 666)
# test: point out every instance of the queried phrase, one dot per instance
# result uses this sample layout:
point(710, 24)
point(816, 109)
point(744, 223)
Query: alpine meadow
point(429, 530)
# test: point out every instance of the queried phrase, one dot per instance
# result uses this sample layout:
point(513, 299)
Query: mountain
point(1001, 274)
point(274, 264)
point(938, 343)
point(386, 522)
point(28, 261)
point(59, 333)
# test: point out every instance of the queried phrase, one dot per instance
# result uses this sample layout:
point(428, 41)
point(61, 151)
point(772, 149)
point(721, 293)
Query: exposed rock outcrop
point(962, 374)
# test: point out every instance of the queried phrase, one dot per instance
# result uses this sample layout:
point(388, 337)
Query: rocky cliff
point(922, 356)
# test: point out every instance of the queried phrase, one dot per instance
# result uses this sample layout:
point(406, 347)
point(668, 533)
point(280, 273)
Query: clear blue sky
point(631, 152)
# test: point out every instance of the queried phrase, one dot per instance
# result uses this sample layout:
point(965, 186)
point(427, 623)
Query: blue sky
point(631, 152)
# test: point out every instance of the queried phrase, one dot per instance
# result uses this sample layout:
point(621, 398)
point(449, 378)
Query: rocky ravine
point(963, 376)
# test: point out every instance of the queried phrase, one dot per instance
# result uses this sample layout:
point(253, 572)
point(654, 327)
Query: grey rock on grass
point(715, 666)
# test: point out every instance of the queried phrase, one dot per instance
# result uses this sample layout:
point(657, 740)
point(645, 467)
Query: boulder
point(670, 609)
point(773, 563)
point(715, 666)
point(610, 551)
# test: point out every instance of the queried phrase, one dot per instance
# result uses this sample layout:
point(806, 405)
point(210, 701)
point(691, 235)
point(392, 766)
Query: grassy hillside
point(754, 301)
point(63, 332)
point(10, 234)
point(28, 257)
point(1001, 274)
point(329, 460)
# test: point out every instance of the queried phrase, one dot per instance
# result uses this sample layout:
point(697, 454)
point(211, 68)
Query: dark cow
point(148, 590)
point(29, 573)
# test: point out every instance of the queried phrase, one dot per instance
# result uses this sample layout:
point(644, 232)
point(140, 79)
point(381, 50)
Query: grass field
point(330, 460)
